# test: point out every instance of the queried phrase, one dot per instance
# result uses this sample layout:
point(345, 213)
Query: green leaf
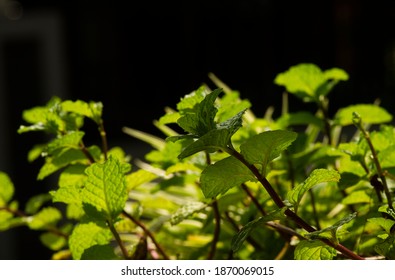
point(99, 252)
point(313, 250)
point(87, 235)
point(138, 178)
point(189, 101)
point(70, 140)
point(186, 211)
point(243, 234)
point(55, 241)
point(47, 217)
point(231, 105)
point(212, 141)
point(370, 113)
point(387, 247)
point(6, 189)
point(266, 146)
point(308, 82)
point(36, 202)
point(316, 177)
point(223, 175)
point(106, 188)
point(356, 197)
point(59, 160)
point(201, 119)
point(92, 110)
point(332, 229)
point(386, 224)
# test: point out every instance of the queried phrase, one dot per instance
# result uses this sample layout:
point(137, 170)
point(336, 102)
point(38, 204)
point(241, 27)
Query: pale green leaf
point(36, 202)
point(386, 224)
point(307, 81)
point(186, 211)
point(355, 197)
point(316, 177)
point(190, 100)
point(35, 152)
point(266, 146)
point(138, 178)
point(6, 188)
point(154, 141)
point(223, 175)
point(55, 241)
point(92, 110)
point(105, 187)
point(169, 118)
point(313, 250)
point(87, 235)
point(70, 140)
point(60, 160)
point(370, 113)
point(48, 216)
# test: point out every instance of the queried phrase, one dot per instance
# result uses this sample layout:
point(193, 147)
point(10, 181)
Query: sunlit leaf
point(369, 113)
point(105, 188)
point(265, 147)
point(316, 177)
point(86, 235)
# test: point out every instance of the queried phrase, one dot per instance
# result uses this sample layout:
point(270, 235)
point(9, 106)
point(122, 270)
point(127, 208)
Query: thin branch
point(217, 219)
point(289, 213)
point(118, 239)
point(103, 136)
point(358, 123)
point(147, 232)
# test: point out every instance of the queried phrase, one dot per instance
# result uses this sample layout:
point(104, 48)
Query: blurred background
point(139, 56)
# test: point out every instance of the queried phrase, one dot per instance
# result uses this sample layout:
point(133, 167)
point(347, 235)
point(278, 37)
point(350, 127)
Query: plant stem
point(254, 199)
point(289, 213)
point(217, 219)
point(103, 136)
point(87, 153)
point(323, 106)
point(147, 232)
point(358, 123)
point(118, 239)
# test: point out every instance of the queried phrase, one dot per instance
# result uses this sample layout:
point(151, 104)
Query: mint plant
point(221, 183)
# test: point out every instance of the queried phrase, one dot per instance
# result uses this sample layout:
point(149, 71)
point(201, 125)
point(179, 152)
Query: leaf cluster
point(221, 183)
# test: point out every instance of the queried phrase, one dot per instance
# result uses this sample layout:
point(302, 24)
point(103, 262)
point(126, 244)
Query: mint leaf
point(92, 110)
point(386, 224)
point(47, 217)
point(266, 146)
point(201, 119)
point(105, 188)
point(369, 113)
point(212, 141)
point(316, 177)
point(223, 175)
point(313, 250)
point(68, 141)
point(6, 189)
point(87, 235)
point(308, 82)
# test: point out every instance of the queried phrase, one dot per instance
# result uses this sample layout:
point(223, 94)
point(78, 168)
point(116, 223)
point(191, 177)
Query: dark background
point(139, 56)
